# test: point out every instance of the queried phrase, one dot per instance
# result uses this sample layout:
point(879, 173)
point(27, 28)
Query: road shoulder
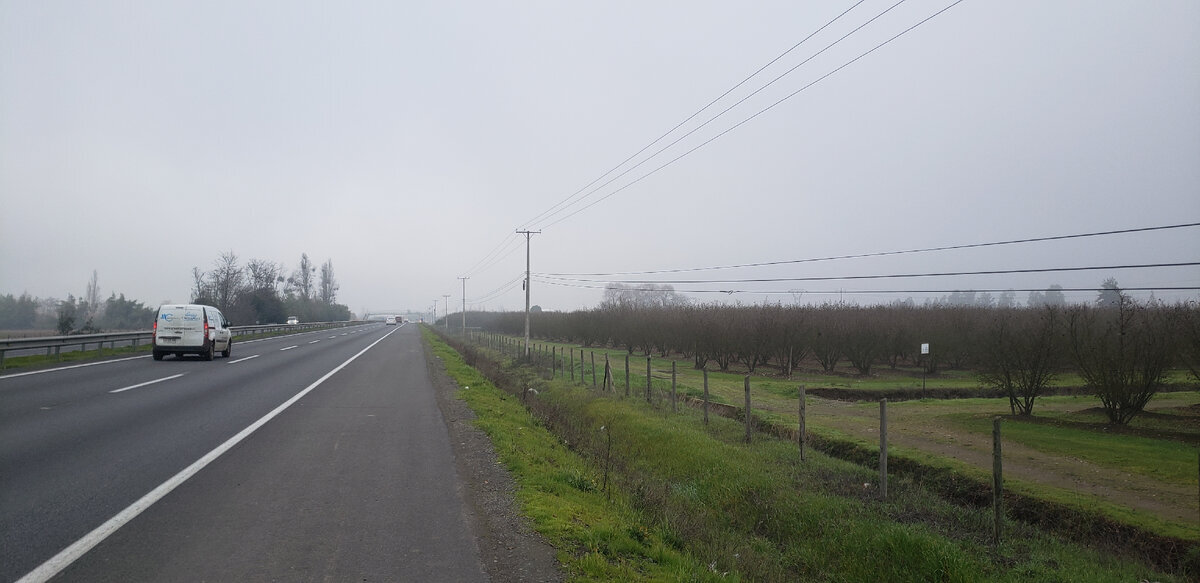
point(509, 548)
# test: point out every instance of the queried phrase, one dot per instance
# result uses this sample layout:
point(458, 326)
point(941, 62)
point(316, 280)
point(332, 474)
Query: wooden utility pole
point(464, 314)
point(527, 234)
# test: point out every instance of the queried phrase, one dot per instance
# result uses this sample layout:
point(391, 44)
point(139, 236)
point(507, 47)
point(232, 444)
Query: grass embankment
point(685, 501)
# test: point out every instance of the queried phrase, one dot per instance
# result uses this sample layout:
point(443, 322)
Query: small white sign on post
point(925, 348)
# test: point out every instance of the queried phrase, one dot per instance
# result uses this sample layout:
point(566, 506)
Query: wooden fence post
point(607, 375)
point(802, 438)
point(627, 374)
point(997, 482)
point(883, 449)
point(674, 408)
point(571, 359)
point(706, 396)
point(593, 369)
point(649, 376)
point(746, 382)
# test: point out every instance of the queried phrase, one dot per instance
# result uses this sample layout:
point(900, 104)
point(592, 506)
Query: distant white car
point(390, 321)
point(293, 320)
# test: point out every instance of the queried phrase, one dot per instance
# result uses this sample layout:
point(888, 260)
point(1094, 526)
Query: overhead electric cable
point(737, 103)
point(743, 122)
point(888, 276)
point(885, 253)
point(882, 291)
point(552, 210)
point(501, 290)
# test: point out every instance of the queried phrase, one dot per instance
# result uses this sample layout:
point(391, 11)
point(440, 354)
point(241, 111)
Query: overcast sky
point(407, 141)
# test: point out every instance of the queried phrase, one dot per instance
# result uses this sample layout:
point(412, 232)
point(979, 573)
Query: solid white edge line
point(243, 359)
point(139, 385)
point(56, 369)
point(77, 549)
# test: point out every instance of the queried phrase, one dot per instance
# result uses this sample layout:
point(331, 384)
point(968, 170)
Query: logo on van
point(190, 316)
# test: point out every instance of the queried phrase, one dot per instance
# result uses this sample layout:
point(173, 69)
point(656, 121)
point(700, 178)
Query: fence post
point(997, 482)
point(746, 382)
point(626, 374)
point(553, 361)
point(883, 448)
point(593, 353)
point(607, 375)
point(649, 376)
point(674, 408)
point(706, 396)
point(571, 359)
point(802, 438)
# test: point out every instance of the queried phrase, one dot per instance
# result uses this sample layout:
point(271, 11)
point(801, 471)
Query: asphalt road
point(353, 480)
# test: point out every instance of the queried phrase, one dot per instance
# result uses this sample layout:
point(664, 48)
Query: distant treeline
point(261, 291)
point(25, 312)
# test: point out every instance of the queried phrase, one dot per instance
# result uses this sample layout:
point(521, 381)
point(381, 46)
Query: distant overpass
point(377, 315)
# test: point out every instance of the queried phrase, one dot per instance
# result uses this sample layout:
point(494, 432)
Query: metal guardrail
point(55, 344)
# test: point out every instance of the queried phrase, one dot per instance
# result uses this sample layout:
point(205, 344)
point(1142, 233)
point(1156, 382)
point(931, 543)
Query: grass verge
point(630, 491)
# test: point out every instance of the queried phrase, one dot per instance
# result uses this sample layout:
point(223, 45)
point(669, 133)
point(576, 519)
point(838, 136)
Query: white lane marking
point(288, 348)
point(139, 385)
point(332, 337)
point(69, 555)
point(345, 333)
point(21, 374)
point(315, 341)
point(243, 359)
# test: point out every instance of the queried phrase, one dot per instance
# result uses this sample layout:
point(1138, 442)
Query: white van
point(191, 329)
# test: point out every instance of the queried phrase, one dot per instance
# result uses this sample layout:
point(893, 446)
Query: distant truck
point(181, 329)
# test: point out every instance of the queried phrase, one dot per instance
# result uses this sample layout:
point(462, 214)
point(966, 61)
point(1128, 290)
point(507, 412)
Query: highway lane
point(73, 452)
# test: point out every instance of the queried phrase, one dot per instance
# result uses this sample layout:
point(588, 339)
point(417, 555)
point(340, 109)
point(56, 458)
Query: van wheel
point(208, 353)
point(228, 349)
point(157, 355)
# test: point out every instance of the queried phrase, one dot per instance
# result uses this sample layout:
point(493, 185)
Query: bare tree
point(1122, 353)
point(263, 274)
point(302, 278)
point(328, 286)
point(226, 280)
point(92, 298)
point(1020, 354)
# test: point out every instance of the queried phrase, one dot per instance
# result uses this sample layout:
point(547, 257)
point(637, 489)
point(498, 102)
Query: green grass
point(692, 502)
point(1168, 461)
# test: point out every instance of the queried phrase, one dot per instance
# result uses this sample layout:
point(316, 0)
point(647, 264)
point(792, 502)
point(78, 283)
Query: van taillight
point(206, 336)
point(154, 331)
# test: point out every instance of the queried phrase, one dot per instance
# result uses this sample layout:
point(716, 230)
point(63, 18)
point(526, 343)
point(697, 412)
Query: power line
point(760, 112)
point(891, 275)
point(886, 253)
point(737, 103)
point(883, 291)
point(566, 202)
point(493, 256)
point(501, 290)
